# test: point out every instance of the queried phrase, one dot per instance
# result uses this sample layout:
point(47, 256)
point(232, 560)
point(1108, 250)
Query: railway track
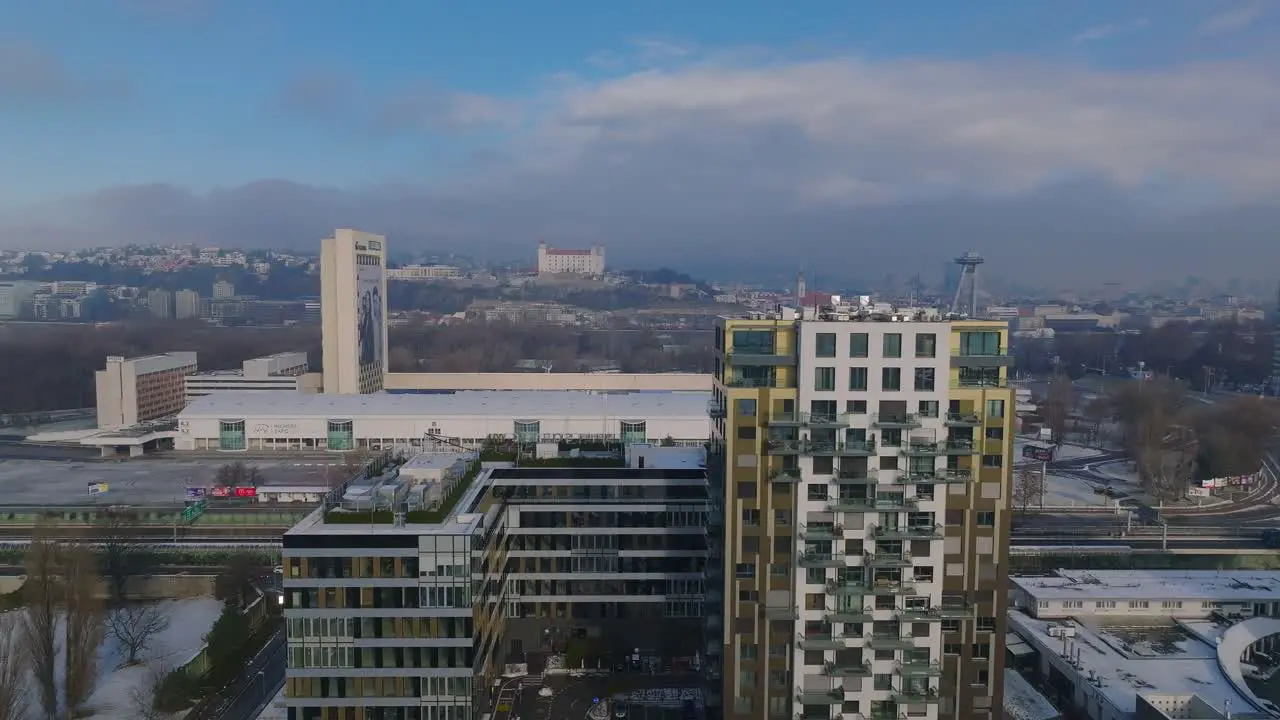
point(159, 532)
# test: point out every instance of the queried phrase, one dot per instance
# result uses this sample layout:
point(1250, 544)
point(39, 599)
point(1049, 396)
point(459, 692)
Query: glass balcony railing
point(889, 641)
point(821, 531)
point(815, 559)
point(835, 696)
point(859, 476)
point(820, 641)
point(923, 448)
point(963, 447)
point(880, 504)
point(886, 559)
point(915, 696)
point(783, 419)
point(785, 475)
point(856, 448)
point(844, 669)
point(716, 409)
point(908, 532)
point(847, 587)
point(979, 382)
point(848, 615)
point(895, 420)
point(919, 668)
point(963, 419)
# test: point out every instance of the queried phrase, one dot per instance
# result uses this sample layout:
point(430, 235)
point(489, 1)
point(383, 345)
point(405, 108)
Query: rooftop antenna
point(968, 263)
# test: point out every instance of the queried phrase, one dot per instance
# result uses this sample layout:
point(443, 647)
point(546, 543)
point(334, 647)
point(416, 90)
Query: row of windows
point(1132, 604)
point(410, 658)
point(311, 629)
point(439, 596)
point(926, 408)
point(926, 345)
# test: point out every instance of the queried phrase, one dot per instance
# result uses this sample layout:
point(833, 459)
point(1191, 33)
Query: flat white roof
point(435, 461)
point(1205, 585)
point(520, 404)
point(1132, 661)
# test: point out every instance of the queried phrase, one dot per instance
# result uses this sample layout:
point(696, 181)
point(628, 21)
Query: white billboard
point(370, 323)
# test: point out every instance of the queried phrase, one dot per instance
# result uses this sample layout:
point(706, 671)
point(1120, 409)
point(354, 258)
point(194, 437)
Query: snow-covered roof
point(1204, 585)
point(1235, 641)
point(1129, 661)
point(1023, 702)
point(522, 404)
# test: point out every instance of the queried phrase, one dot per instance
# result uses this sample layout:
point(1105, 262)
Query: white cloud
point(1237, 18)
point(850, 130)
point(1110, 30)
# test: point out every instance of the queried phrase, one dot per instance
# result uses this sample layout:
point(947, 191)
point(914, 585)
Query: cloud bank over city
point(674, 154)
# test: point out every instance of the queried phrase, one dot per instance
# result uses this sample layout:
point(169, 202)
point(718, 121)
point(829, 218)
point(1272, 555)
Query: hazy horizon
point(1128, 141)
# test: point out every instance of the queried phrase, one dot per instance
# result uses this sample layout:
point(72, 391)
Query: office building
point(273, 420)
point(14, 296)
point(557, 261)
point(353, 309)
point(865, 456)
point(135, 390)
point(282, 371)
point(423, 272)
point(160, 304)
point(1157, 644)
point(414, 611)
point(186, 304)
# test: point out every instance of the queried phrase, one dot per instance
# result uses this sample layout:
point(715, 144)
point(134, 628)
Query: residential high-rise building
point(186, 304)
point(160, 303)
point(353, 311)
point(223, 290)
point(866, 457)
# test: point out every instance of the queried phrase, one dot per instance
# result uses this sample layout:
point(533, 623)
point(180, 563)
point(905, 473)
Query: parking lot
point(148, 480)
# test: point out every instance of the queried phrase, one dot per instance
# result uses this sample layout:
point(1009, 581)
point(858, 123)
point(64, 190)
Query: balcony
point(839, 669)
point(995, 358)
point(783, 419)
point(923, 448)
point(834, 696)
point(914, 696)
point(857, 477)
point(781, 612)
point(813, 559)
point(893, 587)
point(884, 559)
point(821, 531)
point(896, 420)
point(919, 614)
point(881, 504)
point(954, 610)
point(848, 615)
point(756, 383)
point(817, 447)
point(847, 587)
point(856, 448)
point(978, 383)
point(921, 668)
point(909, 532)
point(963, 447)
point(825, 420)
point(820, 641)
point(759, 356)
point(963, 420)
point(785, 475)
point(889, 641)
point(716, 410)
point(782, 447)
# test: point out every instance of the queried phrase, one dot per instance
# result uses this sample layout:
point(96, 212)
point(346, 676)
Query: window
point(992, 461)
point(1138, 604)
point(858, 345)
point(891, 378)
point(527, 431)
point(749, 651)
point(750, 517)
point(979, 343)
point(995, 408)
point(857, 378)
point(1072, 604)
point(984, 677)
point(855, 407)
point(924, 379)
point(986, 624)
point(952, 648)
point(986, 518)
point(824, 378)
point(1105, 604)
point(746, 489)
point(892, 345)
point(926, 345)
point(928, 408)
point(637, 432)
point(825, 345)
point(755, 342)
point(981, 651)
point(746, 407)
point(745, 571)
point(746, 432)
point(995, 433)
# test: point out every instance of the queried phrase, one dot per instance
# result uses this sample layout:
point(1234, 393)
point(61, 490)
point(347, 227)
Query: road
point(14, 447)
point(257, 685)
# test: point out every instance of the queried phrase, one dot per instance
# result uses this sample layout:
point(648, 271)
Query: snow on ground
point(1023, 702)
point(1061, 490)
point(63, 435)
point(189, 621)
point(1068, 451)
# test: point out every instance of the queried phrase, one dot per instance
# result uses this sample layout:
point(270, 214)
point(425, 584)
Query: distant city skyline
point(1038, 135)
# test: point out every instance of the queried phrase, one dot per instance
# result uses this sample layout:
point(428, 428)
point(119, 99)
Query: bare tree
point(354, 462)
point(235, 584)
point(1028, 489)
point(84, 623)
point(135, 627)
point(14, 692)
point(1097, 411)
point(238, 474)
point(1057, 407)
point(120, 549)
point(142, 697)
point(42, 595)
point(1155, 416)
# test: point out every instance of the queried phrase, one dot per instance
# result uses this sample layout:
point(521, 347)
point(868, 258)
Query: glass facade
point(634, 432)
point(231, 435)
point(341, 435)
point(528, 431)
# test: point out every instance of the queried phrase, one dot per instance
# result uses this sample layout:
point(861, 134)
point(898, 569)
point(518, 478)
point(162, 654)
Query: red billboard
point(246, 492)
point(1038, 452)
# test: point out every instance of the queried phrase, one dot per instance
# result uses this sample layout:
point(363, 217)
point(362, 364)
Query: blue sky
point(626, 105)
